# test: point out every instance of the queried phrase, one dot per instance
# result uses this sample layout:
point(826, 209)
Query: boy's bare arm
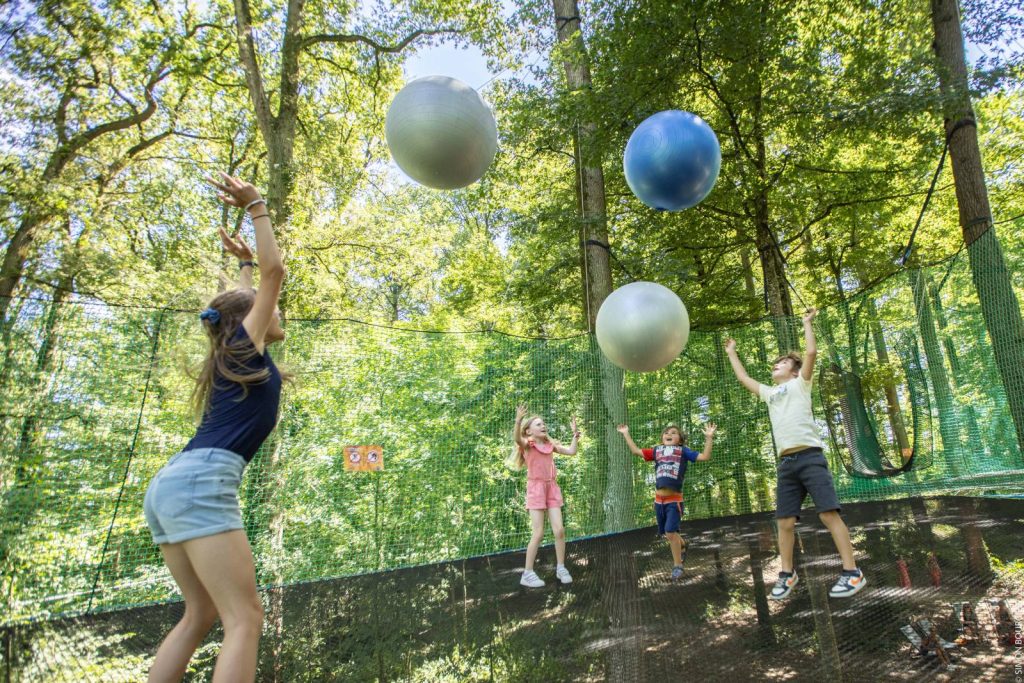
point(634, 449)
point(752, 385)
point(709, 441)
point(810, 345)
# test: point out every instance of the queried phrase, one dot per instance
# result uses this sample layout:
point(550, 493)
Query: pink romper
point(542, 490)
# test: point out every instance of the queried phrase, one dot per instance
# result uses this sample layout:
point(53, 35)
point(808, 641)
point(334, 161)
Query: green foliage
point(831, 129)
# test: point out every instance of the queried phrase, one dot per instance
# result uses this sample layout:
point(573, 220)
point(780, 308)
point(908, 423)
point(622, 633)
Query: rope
point(128, 464)
point(924, 207)
point(612, 254)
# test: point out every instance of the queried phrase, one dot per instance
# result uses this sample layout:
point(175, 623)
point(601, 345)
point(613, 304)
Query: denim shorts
point(801, 473)
point(194, 495)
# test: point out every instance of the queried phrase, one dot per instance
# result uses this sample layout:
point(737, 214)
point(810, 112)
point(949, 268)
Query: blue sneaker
point(849, 583)
point(677, 572)
point(784, 586)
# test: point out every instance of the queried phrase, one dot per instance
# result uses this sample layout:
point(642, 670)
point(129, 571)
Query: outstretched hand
point(234, 192)
point(623, 429)
point(573, 427)
point(710, 428)
point(810, 314)
point(237, 247)
point(730, 345)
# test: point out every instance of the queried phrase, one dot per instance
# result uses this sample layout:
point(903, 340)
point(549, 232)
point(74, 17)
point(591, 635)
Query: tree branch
point(378, 47)
point(60, 120)
point(733, 119)
point(290, 49)
point(63, 154)
point(711, 208)
point(852, 202)
point(253, 78)
point(852, 171)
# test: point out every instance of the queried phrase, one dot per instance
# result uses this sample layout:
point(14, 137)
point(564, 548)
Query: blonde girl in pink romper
point(536, 450)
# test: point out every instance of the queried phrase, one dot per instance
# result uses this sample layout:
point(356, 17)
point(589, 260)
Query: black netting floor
point(623, 619)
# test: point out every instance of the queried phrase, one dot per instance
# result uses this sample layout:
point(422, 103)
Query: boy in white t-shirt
point(802, 465)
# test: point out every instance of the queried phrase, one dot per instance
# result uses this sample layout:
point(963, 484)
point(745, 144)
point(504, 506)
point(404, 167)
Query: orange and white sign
point(364, 458)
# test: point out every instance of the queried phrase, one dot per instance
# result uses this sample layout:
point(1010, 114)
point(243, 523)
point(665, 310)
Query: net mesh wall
point(96, 402)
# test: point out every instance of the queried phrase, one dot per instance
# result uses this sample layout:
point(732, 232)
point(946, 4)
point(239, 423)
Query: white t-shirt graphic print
point(789, 408)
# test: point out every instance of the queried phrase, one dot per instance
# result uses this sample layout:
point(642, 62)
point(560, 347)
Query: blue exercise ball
point(672, 160)
point(441, 133)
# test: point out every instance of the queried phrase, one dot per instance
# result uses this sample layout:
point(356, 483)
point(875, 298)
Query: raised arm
point(810, 345)
point(709, 441)
point(574, 444)
point(238, 248)
point(633, 448)
point(752, 385)
point(235, 192)
point(517, 438)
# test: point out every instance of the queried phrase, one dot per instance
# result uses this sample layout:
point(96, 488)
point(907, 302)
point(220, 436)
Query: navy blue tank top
point(239, 424)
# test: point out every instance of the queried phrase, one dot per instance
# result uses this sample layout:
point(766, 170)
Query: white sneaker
point(848, 584)
point(784, 586)
point(531, 580)
point(563, 575)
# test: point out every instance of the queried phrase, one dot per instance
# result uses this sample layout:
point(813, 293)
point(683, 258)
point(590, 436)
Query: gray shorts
point(194, 495)
point(801, 473)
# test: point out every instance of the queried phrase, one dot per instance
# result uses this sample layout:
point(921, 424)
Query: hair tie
point(210, 314)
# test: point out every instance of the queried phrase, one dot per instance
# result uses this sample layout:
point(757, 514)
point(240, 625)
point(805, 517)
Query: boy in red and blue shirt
point(670, 460)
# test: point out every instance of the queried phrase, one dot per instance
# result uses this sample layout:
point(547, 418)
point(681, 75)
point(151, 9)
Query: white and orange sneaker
point(784, 586)
point(849, 583)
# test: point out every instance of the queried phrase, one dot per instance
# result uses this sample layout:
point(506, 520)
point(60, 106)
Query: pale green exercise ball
point(441, 133)
point(642, 326)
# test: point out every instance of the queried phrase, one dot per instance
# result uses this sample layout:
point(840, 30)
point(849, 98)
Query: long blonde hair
point(517, 458)
point(226, 355)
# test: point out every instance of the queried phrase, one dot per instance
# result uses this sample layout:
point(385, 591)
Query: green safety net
point(96, 402)
point(853, 414)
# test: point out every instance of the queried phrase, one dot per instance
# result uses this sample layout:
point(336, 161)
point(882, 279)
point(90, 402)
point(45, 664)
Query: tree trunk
point(817, 588)
point(922, 520)
point(20, 499)
point(625, 660)
point(729, 443)
point(597, 280)
point(773, 265)
point(773, 268)
point(721, 580)
point(590, 194)
point(978, 565)
point(748, 274)
point(13, 265)
point(999, 304)
point(973, 430)
point(949, 426)
point(892, 402)
point(764, 614)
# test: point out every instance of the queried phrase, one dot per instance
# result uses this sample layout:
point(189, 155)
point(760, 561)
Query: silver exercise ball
point(642, 327)
point(441, 133)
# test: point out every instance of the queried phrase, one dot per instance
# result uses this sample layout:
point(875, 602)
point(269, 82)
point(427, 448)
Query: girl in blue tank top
point(191, 505)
